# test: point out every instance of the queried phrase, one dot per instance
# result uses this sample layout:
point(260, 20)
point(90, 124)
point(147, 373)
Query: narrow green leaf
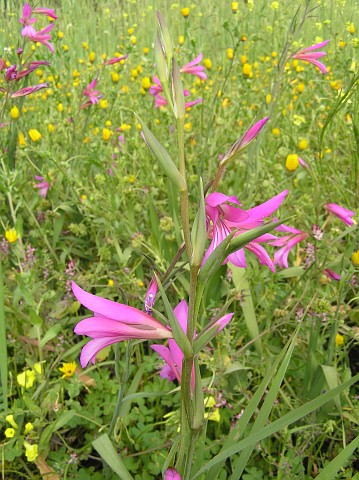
point(126, 403)
point(331, 377)
point(278, 425)
point(3, 343)
point(242, 285)
point(215, 260)
point(178, 96)
point(199, 233)
point(177, 331)
point(108, 453)
point(331, 470)
point(198, 413)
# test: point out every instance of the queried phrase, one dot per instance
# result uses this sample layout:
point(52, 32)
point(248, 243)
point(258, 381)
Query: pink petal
point(172, 474)
point(181, 313)
point(91, 349)
point(216, 198)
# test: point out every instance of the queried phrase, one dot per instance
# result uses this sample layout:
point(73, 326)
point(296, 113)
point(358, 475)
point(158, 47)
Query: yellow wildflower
point(207, 63)
point(140, 283)
point(51, 128)
point(355, 258)
point(230, 53)
point(106, 134)
point(68, 369)
point(85, 45)
point(65, 47)
point(103, 103)
point(234, 6)
point(60, 35)
point(34, 134)
point(28, 427)
point(130, 31)
point(21, 139)
point(60, 107)
point(188, 126)
point(146, 83)
point(108, 123)
point(247, 70)
point(342, 44)
point(31, 451)
point(339, 340)
point(181, 39)
point(10, 419)
point(115, 77)
point(26, 379)
point(146, 50)
point(133, 40)
point(92, 57)
point(303, 144)
point(9, 433)
point(276, 132)
point(300, 87)
point(268, 98)
point(214, 416)
point(185, 11)
point(110, 282)
point(351, 28)
point(11, 235)
point(292, 162)
point(14, 112)
point(274, 5)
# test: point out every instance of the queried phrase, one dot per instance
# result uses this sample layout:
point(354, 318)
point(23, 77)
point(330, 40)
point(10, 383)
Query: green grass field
point(85, 199)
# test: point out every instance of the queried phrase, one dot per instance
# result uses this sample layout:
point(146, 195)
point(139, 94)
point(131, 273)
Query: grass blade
point(3, 345)
point(330, 471)
point(107, 452)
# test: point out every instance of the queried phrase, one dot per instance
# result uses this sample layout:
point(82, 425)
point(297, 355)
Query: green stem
point(218, 177)
point(3, 343)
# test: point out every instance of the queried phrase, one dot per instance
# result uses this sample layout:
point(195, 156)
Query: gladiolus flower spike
point(342, 213)
point(113, 322)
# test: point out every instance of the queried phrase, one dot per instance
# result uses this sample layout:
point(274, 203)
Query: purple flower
point(331, 274)
point(115, 60)
point(30, 68)
point(287, 242)
point(26, 15)
point(308, 55)
point(49, 12)
point(113, 322)
point(172, 474)
point(194, 69)
point(42, 36)
point(173, 355)
point(342, 213)
point(247, 138)
point(151, 295)
point(224, 215)
point(92, 94)
point(160, 101)
point(28, 90)
point(42, 185)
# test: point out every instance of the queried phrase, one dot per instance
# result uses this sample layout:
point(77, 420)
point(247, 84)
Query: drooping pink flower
point(42, 185)
point(342, 213)
point(160, 100)
point(92, 94)
point(287, 242)
point(26, 15)
point(28, 90)
point(113, 322)
point(224, 216)
point(30, 68)
point(172, 474)
point(173, 355)
point(247, 138)
point(151, 295)
point(331, 274)
point(309, 55)
point(113, 60)
point(49, 12)
point(42, 36)
point(194, 69)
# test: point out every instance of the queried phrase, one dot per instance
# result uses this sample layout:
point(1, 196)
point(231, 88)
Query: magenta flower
point(30, 68)
point(42, 36)
point(113, 322)
point(247, 138)
point(173, 355)
point(224, 216)
point(172, 474)
point(49, 12)
point(115, 60)
point(331, 274)
point(151, 295)
point(28, 90)
point(308, 55)
point(26, 15)
point(287, 242)
point(160, 101)
point(342, 213)
point(92, 94)
point(11, 73)
point(194, 69)
point(42, 185)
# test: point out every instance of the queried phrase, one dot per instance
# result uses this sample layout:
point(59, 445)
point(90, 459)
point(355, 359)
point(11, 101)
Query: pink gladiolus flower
point(93, 94)
point(303, 163)
point(151, 295)
point(287, 242)
point(194, 69)
point(173, 355)
point(113, 322)
point(223, 217)
point(11, 73)
point(342, 213)
point(28, 90)
point(42, 185)
point(308, 55)
point(247, 138)
point(115, 60)
point(172, 474)
point(49, 12)
point(41, 36)
point(160, 101)
point(26, 15)
point(331, 274)
point(30, 68)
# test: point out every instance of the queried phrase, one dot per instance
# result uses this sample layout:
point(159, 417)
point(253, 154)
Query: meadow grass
point(110, 218)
